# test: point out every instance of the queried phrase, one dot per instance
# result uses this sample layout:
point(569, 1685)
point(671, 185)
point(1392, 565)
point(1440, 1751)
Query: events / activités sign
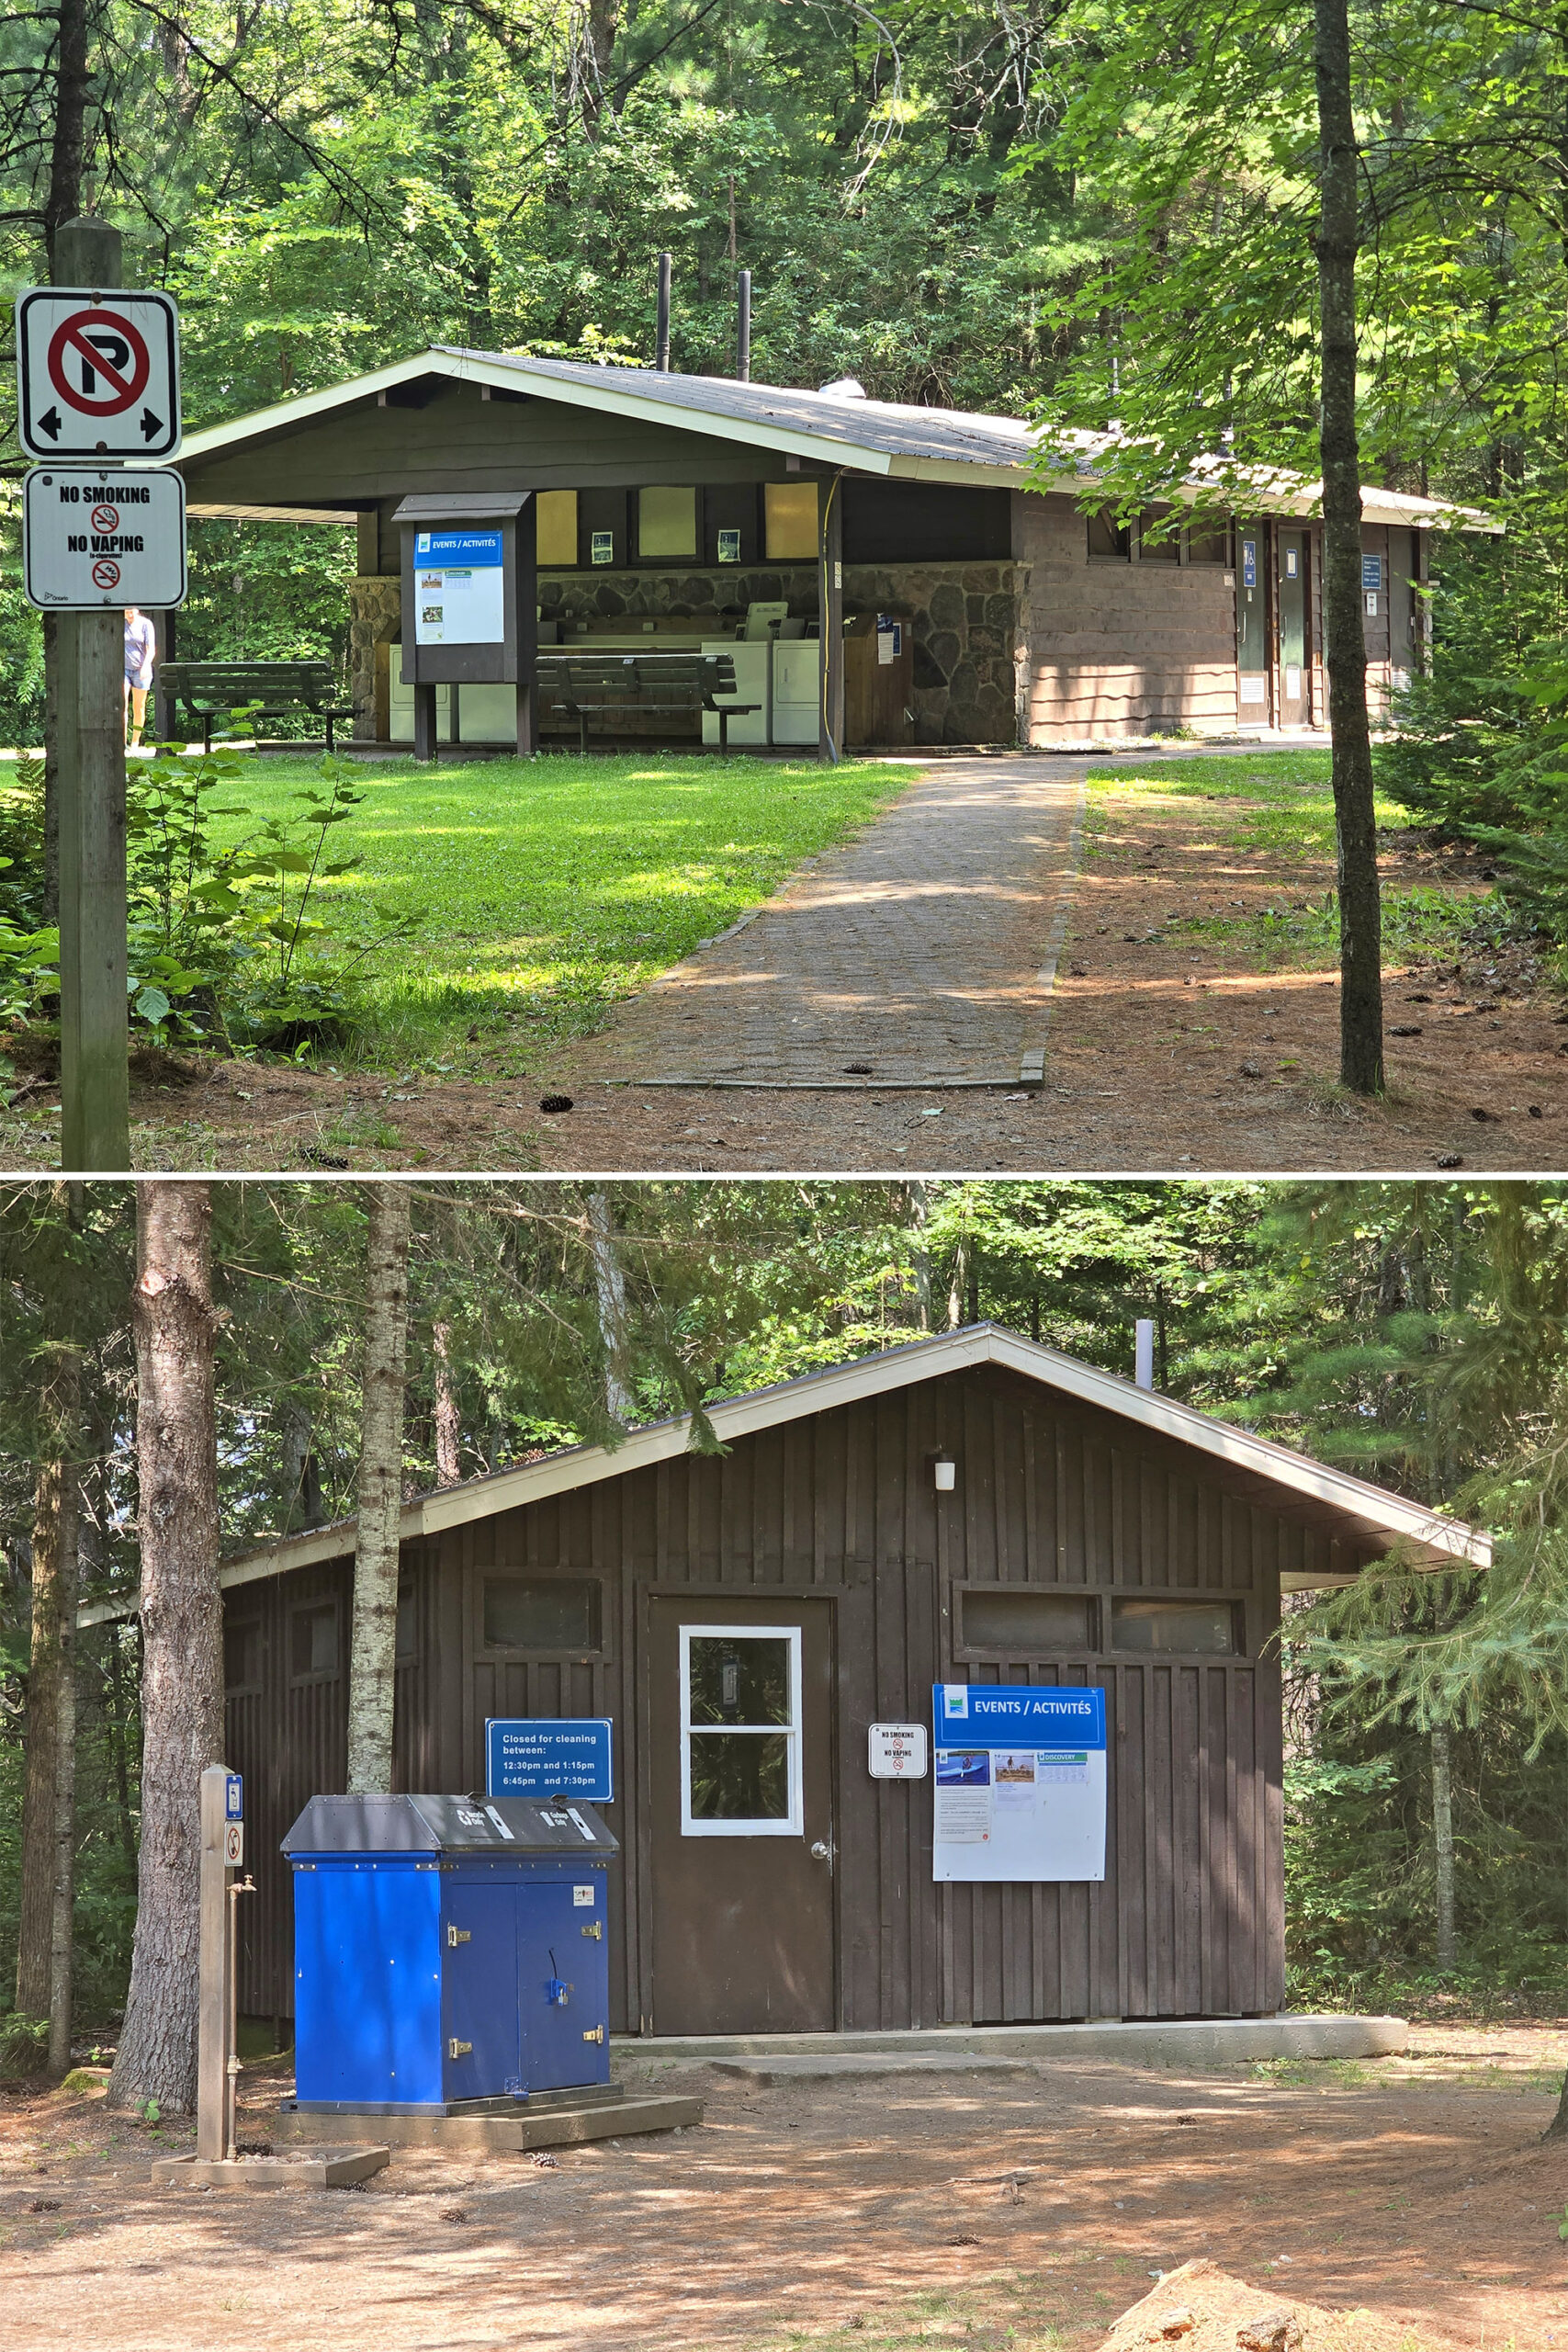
point(1019, 1783)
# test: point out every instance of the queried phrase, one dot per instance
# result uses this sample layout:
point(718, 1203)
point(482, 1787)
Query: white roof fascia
point(285, 414)
point(504, 375)
point(839, 1385)
point(824, 447)
point(970, 473)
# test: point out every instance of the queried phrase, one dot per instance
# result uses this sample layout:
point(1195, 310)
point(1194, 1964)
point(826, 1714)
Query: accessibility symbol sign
point(99, 373)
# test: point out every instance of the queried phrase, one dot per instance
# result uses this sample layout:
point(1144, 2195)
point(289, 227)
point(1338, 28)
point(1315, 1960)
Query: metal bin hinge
point(597, 1930)
point(594, 2034)
point(455, 1936)
point(455, 2049)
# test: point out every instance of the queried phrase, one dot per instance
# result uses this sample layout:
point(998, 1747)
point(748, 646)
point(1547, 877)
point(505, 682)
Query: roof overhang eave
point(1374, 1513)
point(462, 367)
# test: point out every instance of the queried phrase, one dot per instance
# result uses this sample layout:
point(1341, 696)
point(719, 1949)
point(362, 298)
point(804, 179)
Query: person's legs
point(138, 713)
point(125, 703)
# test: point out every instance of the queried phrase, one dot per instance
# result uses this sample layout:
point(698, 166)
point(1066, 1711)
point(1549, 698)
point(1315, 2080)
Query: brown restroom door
point(1294, 684)
point(741, 1817)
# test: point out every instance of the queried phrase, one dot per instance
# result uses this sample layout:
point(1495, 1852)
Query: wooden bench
point(585, 684)
point(212, 690)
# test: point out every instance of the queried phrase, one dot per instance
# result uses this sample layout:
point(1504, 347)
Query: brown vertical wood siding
point(1189, 1920)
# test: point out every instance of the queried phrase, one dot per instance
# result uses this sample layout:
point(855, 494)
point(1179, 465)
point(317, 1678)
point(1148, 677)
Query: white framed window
point(740, 1731)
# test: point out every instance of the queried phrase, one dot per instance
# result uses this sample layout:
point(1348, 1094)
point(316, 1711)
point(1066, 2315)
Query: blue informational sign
point(547, 1757)
point(471, 547)
point(1371, 572)
point(1249, 564)
point(1019, 1783)
point(233, 1797)
point(994, 1715)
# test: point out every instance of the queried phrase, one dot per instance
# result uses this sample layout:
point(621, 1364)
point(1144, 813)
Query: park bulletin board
point(1019, 1783)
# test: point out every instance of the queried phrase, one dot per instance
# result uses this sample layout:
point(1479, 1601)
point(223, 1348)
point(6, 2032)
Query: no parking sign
point(99, 373)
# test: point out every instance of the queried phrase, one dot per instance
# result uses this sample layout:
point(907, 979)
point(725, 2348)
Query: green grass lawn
point(546, 889)
point(1282, 804)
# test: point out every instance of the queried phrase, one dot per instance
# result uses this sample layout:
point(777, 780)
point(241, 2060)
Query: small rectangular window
point(542, 1613)
point(556, 518)
point(1106, 536)
point(1209, 543)
point(1178, 1628)
point(312, 1641)
point(1039, 1624)
point(789, 514)
point(666, 523)
point(408, 1624)
point(1158, 543)
point(740, 1766)
point(242, 1654)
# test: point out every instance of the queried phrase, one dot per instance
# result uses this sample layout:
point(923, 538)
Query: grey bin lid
point(455, 1824)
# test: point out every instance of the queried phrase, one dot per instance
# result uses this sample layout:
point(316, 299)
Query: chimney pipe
point(743, 327)
point(1144, 1353)
point(662, 361)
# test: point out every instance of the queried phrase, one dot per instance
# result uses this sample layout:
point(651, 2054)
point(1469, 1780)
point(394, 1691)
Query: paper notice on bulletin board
point(1019, 1783)
point(458, 598)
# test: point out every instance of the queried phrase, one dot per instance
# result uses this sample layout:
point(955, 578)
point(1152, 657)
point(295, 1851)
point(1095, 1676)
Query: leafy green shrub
point(1475, 751)
point(226, 942)
point(23, 2047)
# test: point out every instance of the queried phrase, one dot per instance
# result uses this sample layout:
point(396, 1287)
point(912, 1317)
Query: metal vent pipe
point(743, 327)
point(1144, 1352)
point(662, 361)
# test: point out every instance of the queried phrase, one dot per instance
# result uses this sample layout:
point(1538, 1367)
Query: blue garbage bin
point(449, 1952)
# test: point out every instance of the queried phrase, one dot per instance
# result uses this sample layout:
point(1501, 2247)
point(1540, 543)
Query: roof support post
point(526, 561)
point(830, 614)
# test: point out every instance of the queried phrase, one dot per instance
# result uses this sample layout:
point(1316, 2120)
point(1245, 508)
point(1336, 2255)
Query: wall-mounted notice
point(895, 1751)
point(1020, 1787)
point(546, 1756)
point(457, 593)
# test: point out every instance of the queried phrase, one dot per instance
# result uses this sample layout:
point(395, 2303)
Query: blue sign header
point(550, 1756)
point(475, 547)
point(233, 1797)
point(997, 1715)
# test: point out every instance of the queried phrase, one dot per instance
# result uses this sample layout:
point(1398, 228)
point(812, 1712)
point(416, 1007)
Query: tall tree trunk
point(51, 1515)
point(610, 1290)
point(958, 1288)
point(1338, 240)
point(73, 89)
point(63, 1841)
point(373, 1648)
point(1443, 1842)
point(448, 1420)
point(919, 1211)
point(182, 1633)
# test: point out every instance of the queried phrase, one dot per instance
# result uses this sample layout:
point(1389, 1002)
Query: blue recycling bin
point(449, 1952)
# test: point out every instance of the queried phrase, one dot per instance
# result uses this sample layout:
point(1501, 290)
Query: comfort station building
point(881, 574)
point(971, 1514)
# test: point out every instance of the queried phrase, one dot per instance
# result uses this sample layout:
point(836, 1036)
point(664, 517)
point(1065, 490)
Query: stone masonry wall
point(375, 614)
point(963, 620)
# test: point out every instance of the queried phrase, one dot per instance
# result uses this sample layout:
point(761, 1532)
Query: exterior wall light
point(945, 1472)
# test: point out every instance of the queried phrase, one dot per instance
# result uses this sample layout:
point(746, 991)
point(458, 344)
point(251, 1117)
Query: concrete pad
point(312, 2168)
point(832, 2068)
point(553, 2127)
point(1134, 2041)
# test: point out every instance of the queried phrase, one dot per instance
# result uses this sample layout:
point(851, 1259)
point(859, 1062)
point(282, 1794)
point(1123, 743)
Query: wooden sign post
point(89, 718)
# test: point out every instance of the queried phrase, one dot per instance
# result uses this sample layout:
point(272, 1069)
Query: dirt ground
point(1164, 1050)
point(1028, 2210)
